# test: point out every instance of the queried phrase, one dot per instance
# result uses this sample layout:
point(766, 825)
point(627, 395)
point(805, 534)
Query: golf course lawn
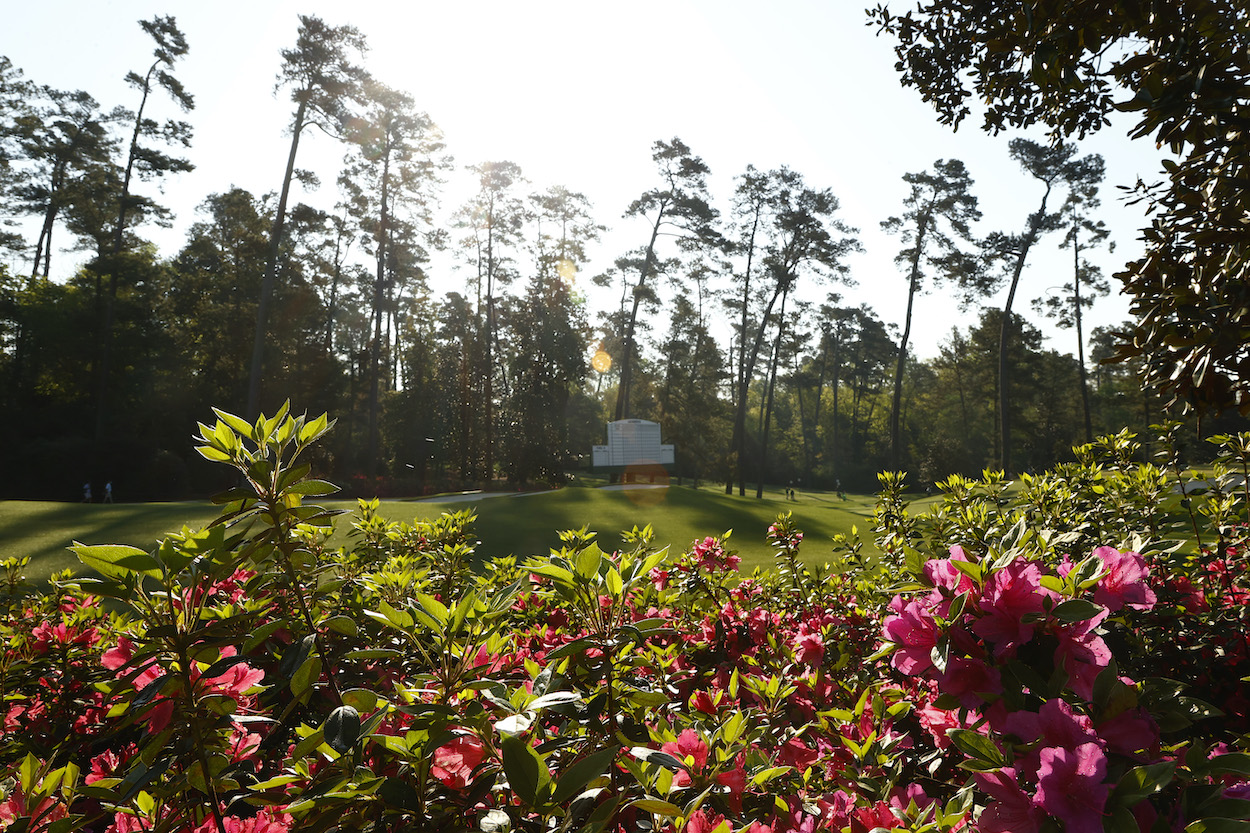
point(522, 525)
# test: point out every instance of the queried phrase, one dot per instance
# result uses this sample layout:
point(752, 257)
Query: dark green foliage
point(1181, 67)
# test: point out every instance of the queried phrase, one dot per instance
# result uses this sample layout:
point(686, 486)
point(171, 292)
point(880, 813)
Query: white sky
point(575, 93)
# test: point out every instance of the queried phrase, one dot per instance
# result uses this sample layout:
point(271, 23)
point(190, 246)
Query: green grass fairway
point(679, 515)
point(521, 525)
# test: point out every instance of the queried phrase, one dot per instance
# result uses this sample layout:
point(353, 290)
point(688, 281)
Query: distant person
point(86, 492)
point(108, 492)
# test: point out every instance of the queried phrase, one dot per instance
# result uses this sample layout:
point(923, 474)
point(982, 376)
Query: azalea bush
point(1037, 659)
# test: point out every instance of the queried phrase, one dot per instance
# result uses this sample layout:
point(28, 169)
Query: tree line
point(509, 378)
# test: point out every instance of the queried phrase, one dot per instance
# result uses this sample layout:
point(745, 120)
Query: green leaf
point(657, 757)
point(361, 699)
point(1218, 826)
point(733, 727)
point(551, 571)
point(1076, 610)
point(342, 729)
point(276, 781)
point(527, 772)
point(586, 566)
point(766, 775)
point(657, 806)
point(1229, 808)
point(28, 772)
point(580, 773)
point(210, 453)
point(568, 648)
point(117, 561)
point(968, 568)
point(554, 698)
point(614, 583)
point(1142, 782)
point(345, 625)
point(313, 487)
point(602, 816)
point(649, 699)
point(308, 744)
point(433, 608)
point(399, 793)
point(977, 746)
point(313, 430)
point(238, 424)
point(308, 673)
point(1234, 763)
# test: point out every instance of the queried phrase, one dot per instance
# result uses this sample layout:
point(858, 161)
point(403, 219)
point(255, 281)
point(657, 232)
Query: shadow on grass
point(523, 525)
point(44, 530)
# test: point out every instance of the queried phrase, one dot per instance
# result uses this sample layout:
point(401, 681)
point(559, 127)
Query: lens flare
point(567, 270)
point(601, 362)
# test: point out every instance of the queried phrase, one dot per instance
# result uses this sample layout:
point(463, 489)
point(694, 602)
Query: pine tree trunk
point(271, 270)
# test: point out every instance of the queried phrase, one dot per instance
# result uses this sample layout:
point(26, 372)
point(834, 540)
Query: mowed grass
point(521, 525)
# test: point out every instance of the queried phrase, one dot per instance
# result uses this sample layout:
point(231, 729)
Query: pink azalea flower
point(126, 823)
point(940, 721)
point(809, 647)
point(1011, 811)
point(703, 701)
point(942, 572)
point(902, 796)
point(1130, 733)
point(455, 761)
point(1125, 582)
point(236, 681)
point(1008, 596)
point(1070, 786)
point(735, 779)
point(795, 753)
point(106, 764)
point(267, 820)
point(701, 821)
point(878, 816)
point(913, 630)
point(1082, 653)
point(690, 749)
point(1061, 726)
point(971, 680)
